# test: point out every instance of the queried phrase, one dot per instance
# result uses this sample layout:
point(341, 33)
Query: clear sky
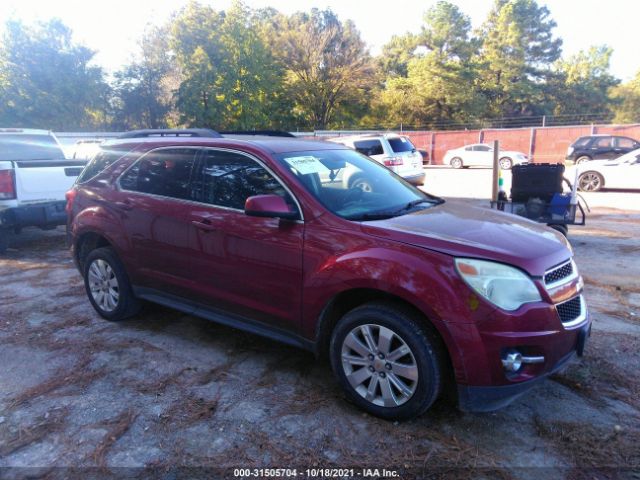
point(112, 27)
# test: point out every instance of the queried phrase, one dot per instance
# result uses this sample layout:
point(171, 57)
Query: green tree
point(46, 80)
point(627, 101)
point(143, 89)
point(517, 52)
point(396, 55)
point(439, 86)
point(329, 72)
point(584, 83)
point(230, 78)
point(194, 40)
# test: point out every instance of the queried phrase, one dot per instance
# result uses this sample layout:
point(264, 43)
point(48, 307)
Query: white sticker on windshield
point(307, 164)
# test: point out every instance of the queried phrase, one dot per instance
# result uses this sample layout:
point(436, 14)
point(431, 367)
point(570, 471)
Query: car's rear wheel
point(582, 159)
point(386, 362)
point(590, 182)
point(107, 285)
point(456, 162)
point(506, 163)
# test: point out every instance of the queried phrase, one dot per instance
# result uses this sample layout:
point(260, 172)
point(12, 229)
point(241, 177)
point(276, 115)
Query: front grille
point(570, 310)
point(558, 273)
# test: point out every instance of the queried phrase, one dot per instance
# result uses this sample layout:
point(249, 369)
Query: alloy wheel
point(103, 285)
point(590, 182)
point(379, 365)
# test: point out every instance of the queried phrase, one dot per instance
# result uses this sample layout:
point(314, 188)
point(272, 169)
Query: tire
point(4, 241)
point(364, 372)
point(104, 274)
point(563, 229)
point(590, 182)
point(456, 162)
point(505, 163)
point(583, 159)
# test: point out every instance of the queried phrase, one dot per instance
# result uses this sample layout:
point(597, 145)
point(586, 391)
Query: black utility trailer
point(537, 193)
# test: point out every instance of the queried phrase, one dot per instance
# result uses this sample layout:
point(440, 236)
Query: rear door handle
point(203, 225)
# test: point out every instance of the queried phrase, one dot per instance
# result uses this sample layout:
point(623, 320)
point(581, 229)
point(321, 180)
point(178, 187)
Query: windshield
point(29, 147)
point(401, 144)
point(630, 157)
point(354, 186)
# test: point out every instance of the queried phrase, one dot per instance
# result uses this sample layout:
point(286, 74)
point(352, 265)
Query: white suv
point(394, 151)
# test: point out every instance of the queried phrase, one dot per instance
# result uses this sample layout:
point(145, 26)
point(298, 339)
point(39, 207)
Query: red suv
point(406, 294)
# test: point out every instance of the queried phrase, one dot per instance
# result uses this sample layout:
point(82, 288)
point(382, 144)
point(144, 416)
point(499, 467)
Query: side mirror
point(273, 206)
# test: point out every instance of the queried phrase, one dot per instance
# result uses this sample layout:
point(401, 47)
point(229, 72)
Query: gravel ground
point(167, 391)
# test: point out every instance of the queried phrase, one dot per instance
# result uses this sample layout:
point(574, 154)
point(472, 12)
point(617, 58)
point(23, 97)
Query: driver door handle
point(204, 225)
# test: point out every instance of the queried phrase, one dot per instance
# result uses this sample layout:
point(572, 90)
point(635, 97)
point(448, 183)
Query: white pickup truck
point(34, 177)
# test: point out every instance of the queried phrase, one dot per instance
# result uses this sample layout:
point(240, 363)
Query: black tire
point(563, 229)
point(426, 355)
point(590, 182)
point(582, 159)
point(127, 304)
point(456, 162)
point(4, 241)
point(505, 163)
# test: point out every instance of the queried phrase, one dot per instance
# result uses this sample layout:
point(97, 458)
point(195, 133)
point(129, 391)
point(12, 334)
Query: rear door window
point(227, 179)
point(400, 145)
point(164, 172)
point(369, 147)
point(604, 142)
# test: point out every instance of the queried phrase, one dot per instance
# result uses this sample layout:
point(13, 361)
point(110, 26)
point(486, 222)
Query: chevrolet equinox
point(406, 294)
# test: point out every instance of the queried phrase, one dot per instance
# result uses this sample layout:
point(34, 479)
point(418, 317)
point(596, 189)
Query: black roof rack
point(262, 133)
point(167, 132)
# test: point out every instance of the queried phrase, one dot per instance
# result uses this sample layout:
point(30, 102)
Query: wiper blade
point(371, 216)
point(415, 203)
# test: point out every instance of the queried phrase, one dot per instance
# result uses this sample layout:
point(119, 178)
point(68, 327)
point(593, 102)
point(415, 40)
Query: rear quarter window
point(402, 144)
point(582, 142)
point(100, 161)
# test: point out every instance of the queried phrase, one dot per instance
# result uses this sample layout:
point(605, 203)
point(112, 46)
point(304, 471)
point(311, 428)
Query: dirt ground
point(167, 391)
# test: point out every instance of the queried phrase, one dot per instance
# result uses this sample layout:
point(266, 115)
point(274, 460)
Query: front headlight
point(504, 286)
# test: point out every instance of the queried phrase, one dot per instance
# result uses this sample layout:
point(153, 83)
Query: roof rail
point(167, 132)
point(263, 133)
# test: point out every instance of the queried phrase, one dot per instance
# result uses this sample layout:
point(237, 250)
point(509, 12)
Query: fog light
point(512, 361)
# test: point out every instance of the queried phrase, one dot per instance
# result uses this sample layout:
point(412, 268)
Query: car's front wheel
point(107, 285)
point(386, 362)
point(582, 159)
point(456, 162)
point(590, 182)
point(506, 163)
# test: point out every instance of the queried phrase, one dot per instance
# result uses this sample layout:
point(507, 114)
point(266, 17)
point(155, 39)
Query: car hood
point(462, 230)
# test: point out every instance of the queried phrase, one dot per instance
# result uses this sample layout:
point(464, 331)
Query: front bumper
point(417, 180)
point(49, 214)
point(490, 398)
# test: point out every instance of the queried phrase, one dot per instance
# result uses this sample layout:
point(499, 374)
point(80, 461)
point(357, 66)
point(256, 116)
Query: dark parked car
point(600, 147)
point(406, 294)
